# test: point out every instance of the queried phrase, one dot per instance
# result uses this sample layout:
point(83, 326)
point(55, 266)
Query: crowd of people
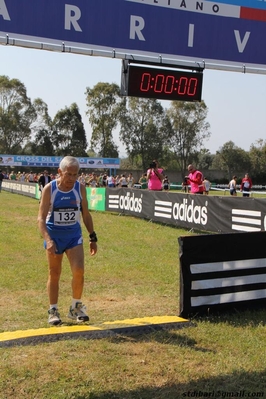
point(88, 179)
point(154, 179)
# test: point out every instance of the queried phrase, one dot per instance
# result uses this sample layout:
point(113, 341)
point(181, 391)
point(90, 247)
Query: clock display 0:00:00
point(164, 84)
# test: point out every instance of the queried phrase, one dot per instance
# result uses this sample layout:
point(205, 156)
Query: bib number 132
point(65, 217)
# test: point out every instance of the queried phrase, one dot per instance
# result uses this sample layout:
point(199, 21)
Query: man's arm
point(87, 219)
point(198, 179)
point(43, 212)
point(158, 174)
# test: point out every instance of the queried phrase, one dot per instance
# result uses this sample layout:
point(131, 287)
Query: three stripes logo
point(246, 220)
point(113, 201)
point(163, 209)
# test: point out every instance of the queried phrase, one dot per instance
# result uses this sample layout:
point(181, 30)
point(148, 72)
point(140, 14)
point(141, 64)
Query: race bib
point(66, 216)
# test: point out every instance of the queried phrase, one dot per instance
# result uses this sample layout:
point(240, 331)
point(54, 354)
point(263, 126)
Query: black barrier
point(199, 212)
point(24, 188)
point(224, 271)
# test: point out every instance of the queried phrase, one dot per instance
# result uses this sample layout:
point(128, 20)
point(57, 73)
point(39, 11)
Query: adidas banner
point(200, 212)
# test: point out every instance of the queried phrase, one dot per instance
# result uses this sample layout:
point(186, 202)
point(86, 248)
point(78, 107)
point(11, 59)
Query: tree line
point(175, 135)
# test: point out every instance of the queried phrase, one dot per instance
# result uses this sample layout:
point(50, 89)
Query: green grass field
point(135, 274)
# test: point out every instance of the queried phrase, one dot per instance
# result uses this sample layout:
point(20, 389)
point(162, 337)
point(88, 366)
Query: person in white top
point(206, 186)
point(130, 180)
point(110, 181)
point(123, 181)
point(82, 179)
point(232, 186)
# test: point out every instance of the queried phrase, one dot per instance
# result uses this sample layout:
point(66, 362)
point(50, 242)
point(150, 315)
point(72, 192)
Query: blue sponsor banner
point(47, 161)
point(228, 31)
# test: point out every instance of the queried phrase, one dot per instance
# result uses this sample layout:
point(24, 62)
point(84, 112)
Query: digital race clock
point(164, 84)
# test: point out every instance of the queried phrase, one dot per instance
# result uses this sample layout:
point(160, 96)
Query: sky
point(236, 101)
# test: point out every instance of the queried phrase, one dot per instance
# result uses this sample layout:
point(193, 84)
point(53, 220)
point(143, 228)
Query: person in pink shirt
point(195, 179)
point(155, 176)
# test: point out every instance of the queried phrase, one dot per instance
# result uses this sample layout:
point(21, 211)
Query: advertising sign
point(47, 161)
point(96, 198)
point(28, 189)
point(229, 32)
point(199, 212)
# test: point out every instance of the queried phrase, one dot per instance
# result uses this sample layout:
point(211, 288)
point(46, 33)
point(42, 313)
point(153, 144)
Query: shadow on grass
point(170, 337)
point(222, 386)
point(236, 318)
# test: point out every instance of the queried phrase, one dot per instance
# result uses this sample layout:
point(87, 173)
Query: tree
point(189, 130)
point(231, 159)
point(69, 136)
point(42, 131)
point(144, 129)
point(105, 105)
point(204, 159)
point(16, 115)
point(257, 155)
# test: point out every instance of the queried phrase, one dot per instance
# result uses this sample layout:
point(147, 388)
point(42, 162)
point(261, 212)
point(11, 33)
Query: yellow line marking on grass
point(105, 329)
point(10, 335)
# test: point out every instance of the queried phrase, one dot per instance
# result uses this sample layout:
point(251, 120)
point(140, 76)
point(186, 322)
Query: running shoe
point(54, 317)
point(78, 313)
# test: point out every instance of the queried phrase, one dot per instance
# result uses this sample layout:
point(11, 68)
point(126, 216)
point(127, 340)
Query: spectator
point(22, 177)
point(123, 181)
point(104, 180)
point(130, 180)
point(100, 180)
point(206, 186)
point(93, 181)
point(44, 179)
point(143, 181)
point(185, 184)
point(246, 185)
point(110, 181)
point(195, 179)
point(12, 176)
point(82, 179)
point(166, 184)
point(155, 176)
point(31, 177)
point(1, 180)
point(232, 186)
point(117, 178)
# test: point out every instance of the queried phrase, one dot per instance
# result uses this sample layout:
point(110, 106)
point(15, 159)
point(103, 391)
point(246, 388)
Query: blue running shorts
point(64, 243)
